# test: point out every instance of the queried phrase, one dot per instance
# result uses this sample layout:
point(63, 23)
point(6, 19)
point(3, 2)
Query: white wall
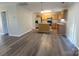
point(13, 28)
point(25, 20)
point(2, 8)
point(73, 24)
point(11, 18)
point(1, 29)
point(19, 19)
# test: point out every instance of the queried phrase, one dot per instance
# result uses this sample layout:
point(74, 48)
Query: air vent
point(62, 2)
point(23, 4)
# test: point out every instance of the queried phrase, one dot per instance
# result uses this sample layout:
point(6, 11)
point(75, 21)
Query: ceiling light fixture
point(44, 11)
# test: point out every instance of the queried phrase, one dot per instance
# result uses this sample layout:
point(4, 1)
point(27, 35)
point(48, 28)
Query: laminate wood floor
point(37, 44)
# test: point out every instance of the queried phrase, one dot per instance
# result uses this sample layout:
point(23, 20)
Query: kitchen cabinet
point(62, 29)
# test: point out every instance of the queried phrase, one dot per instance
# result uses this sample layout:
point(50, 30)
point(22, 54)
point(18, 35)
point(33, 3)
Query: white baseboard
point(19, 35)
point(78, 48)
point(14, 35)
point(25, 33)
point(72, 43)
point(2, 33)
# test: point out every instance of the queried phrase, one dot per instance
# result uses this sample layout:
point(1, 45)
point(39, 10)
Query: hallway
point(36, 44)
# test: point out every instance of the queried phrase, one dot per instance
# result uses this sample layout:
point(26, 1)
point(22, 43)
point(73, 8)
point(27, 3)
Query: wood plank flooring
point(37, 44)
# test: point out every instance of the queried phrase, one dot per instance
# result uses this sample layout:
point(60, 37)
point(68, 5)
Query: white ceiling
point(54, 6)
point(36, 6)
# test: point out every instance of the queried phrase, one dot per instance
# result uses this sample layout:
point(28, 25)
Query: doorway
point(4, 22)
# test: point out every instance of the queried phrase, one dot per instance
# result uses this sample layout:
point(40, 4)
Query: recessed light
point(45, 11)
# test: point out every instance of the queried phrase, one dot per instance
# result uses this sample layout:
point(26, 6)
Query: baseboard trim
point(72, 43)
point(25, 33)
point(2, 33)
point(19, 35)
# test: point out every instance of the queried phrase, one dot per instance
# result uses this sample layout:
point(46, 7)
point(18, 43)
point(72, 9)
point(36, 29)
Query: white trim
point(19, 35)
point(25, 32)
point(72, 43)
point(2, 33)
point(14, 35)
